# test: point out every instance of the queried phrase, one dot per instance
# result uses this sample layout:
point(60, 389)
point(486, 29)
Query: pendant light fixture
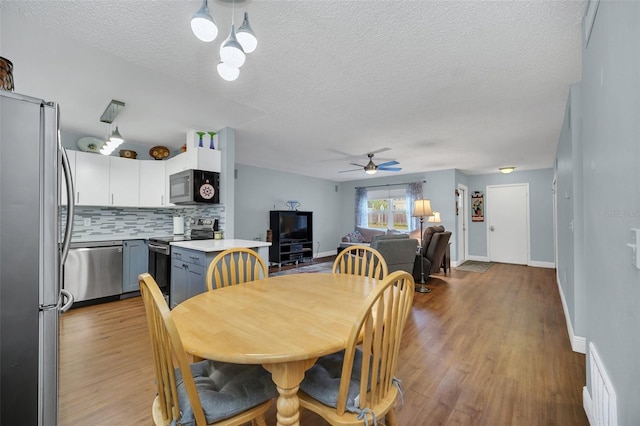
point(109, 116)
point(203, 25)
point(234, 48)
point(227, 72)
point(231, 52)
point(246, 37)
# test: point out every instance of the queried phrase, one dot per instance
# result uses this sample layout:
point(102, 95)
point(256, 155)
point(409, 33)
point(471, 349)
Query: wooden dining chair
point(235, 266)
point(360, 260)
point(338, 386)
point(203, 393)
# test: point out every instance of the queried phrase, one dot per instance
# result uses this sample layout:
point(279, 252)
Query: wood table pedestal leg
point(287, 377)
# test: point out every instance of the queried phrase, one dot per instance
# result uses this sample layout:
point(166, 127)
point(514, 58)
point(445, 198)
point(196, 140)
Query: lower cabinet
point(135, 261)
point(188, 268)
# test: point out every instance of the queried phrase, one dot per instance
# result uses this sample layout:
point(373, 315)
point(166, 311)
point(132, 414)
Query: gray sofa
point(398, 250)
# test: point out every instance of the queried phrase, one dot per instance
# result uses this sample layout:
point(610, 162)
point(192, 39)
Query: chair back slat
point(360, 260)
point(235, 266)
point(377, 331)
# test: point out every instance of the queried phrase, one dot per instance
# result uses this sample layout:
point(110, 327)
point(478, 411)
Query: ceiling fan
point(372, 168)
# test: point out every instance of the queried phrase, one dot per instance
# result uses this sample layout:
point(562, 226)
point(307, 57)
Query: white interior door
point(461, 211)
point(508, 223)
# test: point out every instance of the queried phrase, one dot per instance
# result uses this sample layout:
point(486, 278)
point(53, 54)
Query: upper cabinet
point(124, 178)
point(152, 184)
point(92, 179)
point(122, 182)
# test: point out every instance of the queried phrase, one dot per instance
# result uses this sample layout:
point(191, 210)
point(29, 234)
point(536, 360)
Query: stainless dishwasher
point(94, 270)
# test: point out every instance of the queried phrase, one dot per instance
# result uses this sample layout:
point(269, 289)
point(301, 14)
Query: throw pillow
point(359, 237)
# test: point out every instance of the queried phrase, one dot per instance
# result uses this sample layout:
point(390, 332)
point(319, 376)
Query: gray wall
point(570, 216)
point(540, 211)
point(258, 190)
point(611, 185)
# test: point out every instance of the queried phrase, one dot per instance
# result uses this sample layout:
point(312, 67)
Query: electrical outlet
point(87, 221)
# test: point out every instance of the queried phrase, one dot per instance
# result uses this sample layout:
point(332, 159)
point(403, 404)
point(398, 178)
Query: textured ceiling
point(472, 85)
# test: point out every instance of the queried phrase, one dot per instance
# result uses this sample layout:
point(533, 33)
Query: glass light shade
point(203, 25)
point(422, 208)
point(246, 37)
point(506, 169)
point(116, 137)
point(231, 52)
point(435, 218)
point(227, 72)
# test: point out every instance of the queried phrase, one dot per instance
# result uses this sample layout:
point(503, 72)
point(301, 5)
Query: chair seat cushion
point(225, 389)
point(322, 381)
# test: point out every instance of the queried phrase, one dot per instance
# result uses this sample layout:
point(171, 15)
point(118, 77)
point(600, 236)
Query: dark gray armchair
point(433, 255)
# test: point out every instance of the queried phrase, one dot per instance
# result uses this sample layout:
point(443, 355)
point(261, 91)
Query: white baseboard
point(587, 403)
point(539, 264)
point(325, 253)
point(578, 343)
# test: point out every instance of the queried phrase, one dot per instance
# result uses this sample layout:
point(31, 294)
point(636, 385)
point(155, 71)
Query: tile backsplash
point(120, 223)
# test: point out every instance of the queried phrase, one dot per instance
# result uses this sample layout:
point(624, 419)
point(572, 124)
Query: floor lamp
point(422, 208)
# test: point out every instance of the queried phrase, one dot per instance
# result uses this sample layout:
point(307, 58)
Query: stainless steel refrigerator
point(33, 247)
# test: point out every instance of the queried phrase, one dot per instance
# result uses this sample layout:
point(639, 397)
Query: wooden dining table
point(284, 323)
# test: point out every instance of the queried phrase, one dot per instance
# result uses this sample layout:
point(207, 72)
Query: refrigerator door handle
point(70, 299)
point(66, 243)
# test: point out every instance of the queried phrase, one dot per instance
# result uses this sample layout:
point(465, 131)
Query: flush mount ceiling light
point(246, 37)
point(203, 25)
point(506, 169)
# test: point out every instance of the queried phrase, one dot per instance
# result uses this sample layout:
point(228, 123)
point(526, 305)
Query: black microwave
point(194, 187)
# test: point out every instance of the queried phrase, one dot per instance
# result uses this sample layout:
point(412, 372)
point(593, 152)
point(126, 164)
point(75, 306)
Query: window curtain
point(414, 192)
point(361, 207)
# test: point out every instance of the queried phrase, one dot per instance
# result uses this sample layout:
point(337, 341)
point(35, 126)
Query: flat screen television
point(293, 227)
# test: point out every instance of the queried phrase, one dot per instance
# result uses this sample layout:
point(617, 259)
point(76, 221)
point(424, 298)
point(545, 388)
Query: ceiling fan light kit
point(234, 49)
point(372, 168)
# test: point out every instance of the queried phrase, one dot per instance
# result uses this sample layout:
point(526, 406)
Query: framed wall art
point(477, 206)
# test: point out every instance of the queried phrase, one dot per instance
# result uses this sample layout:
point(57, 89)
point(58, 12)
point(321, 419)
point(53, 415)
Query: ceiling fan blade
point(352, 170)
point(377, 151)
point(388, 163)
point(390, 169)
point(359, 165)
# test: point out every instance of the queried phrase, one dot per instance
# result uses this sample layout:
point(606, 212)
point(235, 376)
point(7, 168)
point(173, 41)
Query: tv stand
point(287, 248)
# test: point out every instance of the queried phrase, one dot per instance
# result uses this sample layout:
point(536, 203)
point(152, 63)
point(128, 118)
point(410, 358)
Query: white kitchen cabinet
point(71, 155)
point(203, 159)
point(92, 179)
point(124, 178)
point(152, 184)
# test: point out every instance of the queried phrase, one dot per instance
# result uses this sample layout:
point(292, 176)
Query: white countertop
point(218, 245)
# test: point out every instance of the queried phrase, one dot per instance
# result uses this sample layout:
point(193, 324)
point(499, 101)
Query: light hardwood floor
point(480, 349)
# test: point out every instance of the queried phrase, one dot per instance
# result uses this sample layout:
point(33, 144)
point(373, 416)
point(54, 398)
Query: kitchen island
point(190, 260)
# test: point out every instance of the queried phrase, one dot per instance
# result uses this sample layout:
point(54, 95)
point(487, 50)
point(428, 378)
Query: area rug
point(305, 269)
point(474, 266)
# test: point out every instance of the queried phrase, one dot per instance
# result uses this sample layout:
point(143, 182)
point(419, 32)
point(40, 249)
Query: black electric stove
point(160, 249)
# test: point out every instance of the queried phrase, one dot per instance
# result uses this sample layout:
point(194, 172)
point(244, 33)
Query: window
point(387, 209)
